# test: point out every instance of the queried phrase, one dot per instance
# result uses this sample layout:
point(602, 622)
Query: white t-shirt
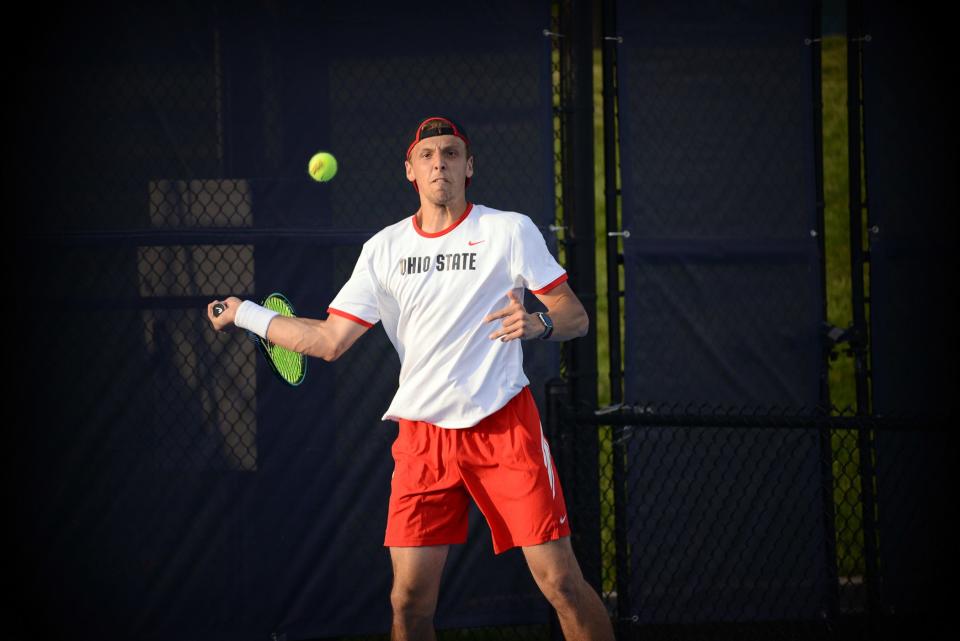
point(432, 291)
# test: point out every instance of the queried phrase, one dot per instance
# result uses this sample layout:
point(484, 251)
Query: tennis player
point(447, 284)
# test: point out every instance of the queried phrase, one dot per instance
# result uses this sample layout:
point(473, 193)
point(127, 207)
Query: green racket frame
point(289, 366)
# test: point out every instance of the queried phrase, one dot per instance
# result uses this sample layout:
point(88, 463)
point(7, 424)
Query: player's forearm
point(570, 320)
point(304, 335)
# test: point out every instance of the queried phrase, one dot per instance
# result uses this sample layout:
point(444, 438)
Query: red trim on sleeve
point(544, 290)
point(434, 234)
point(337, 312)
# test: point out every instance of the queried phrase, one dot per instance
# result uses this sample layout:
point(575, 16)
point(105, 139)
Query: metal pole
point(578, 206)
point(825, 434)
point(614, 260)
point(857, 264)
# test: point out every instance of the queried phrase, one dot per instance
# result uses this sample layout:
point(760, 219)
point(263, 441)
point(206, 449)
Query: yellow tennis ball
point(322, 166)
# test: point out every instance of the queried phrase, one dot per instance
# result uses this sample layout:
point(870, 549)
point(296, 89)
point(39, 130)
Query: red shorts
point(503, 463)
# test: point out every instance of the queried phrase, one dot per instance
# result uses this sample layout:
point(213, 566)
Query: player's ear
point(470, 167)
point(410, 175)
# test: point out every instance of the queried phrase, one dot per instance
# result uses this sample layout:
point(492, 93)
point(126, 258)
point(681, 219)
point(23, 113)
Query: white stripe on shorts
point(546, 461)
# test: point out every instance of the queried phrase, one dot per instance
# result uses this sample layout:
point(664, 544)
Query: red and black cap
point(446, 127)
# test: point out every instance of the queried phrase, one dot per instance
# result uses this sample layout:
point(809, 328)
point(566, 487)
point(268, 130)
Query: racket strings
point(290, 365)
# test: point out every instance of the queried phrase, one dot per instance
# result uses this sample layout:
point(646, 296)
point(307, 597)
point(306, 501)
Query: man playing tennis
point(447, 284)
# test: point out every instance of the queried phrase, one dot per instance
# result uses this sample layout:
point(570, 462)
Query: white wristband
point(253, 317)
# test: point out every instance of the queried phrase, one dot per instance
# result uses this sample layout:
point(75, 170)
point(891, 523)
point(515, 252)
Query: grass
point(836, 192)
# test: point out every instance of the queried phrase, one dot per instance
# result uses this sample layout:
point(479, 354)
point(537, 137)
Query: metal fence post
point(858, 262)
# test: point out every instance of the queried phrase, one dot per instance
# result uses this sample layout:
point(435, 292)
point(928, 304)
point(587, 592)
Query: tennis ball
point(322, 166)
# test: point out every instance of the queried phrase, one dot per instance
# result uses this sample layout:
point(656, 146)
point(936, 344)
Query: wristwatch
point(547, 325)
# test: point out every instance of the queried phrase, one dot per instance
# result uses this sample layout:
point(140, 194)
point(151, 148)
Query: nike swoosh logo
point(472, 243)
point(563, 519)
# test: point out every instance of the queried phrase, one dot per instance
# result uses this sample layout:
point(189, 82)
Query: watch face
point(547, 325)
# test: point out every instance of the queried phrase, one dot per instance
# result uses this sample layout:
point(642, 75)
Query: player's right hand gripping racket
point(289, 366)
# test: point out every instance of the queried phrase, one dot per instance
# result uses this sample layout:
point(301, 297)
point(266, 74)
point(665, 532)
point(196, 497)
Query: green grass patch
point(836, 193)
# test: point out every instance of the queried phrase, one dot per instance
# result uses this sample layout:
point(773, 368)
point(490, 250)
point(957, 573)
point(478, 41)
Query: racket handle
point(218, 309)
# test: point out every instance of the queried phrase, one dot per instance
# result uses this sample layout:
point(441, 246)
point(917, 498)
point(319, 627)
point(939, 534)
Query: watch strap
point(547, 326)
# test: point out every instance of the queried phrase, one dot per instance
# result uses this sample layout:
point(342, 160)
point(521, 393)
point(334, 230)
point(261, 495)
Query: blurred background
point(751, 199)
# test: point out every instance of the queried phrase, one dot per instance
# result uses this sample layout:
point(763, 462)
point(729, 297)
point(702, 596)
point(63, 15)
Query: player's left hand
point(517, 323)
point(224, 322)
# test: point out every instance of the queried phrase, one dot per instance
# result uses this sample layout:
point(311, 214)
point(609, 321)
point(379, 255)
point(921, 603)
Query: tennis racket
point(289, 366)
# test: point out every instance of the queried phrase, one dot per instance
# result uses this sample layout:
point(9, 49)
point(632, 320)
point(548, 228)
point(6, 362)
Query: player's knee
point(410, 603)
point(563, 589)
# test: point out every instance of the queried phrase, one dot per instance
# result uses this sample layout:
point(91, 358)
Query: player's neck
point(433, 218)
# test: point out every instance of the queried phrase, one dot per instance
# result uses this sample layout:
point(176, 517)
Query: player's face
point(440, 166)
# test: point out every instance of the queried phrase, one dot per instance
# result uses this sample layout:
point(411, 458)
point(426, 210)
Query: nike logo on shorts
point(563, 519)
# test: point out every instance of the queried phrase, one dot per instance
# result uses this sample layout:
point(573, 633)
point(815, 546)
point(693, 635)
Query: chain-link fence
point(763, 523)
point(168, 482)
